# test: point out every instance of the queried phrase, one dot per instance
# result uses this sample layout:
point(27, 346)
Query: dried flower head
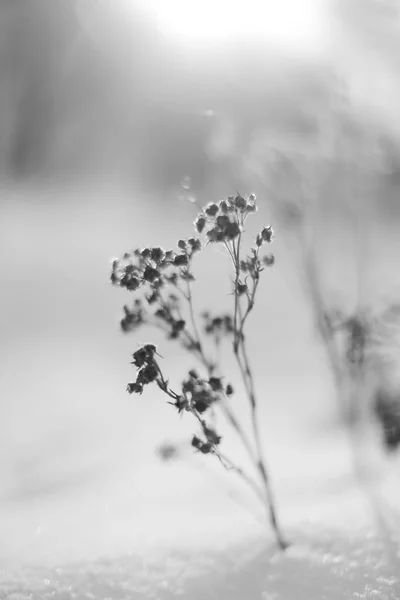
point(163, 278)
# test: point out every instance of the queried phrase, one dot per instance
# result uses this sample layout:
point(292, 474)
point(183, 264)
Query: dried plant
point(163, 281)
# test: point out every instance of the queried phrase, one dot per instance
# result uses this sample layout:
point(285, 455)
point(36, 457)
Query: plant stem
point(226, 462)
point(247, 377)
point(261, 463)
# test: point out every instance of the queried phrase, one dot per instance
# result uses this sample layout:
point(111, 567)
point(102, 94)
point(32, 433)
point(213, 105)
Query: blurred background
point(114, 118)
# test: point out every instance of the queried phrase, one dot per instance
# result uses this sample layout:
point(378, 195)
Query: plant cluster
point(162, 281)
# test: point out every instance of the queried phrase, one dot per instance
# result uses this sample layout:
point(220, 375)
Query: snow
point(214, 549)
point(320, 565)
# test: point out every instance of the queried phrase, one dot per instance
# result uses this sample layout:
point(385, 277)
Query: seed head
point(229, 390)
point(182, 244)
point(134, 388)
point(181, 260)
point(211, 210)
point(215, 384)
point(267, 234)
point(157, 254)
point(150, 274)
point(240, 202)
point(146, 253)
point(200, 223)
point(268, 260)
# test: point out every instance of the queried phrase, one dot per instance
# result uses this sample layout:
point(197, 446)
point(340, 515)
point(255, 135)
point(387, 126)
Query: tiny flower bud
point(200, 405)
point(223, 221)
point(251, 207)
point(268, 260)
point(232, 230)
point(181, 260)
point(223, 207)
point(240, 202)
point(195, 244)
point(134, 388)
point(151, 274)
point(200, 223)
point(211, 210)
point(146, 253)
point(267, 234)
point(241, 288)
point(196, 442)
point(131, 283)
point(229, 390)
point(215, 383)
point(157, 254)
point(212, 235)
point(182, 244)
point(212, 435)
point(179, 325)
point(148, 374)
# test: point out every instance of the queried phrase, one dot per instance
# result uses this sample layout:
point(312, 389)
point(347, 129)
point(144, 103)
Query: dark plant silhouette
point(162, 280)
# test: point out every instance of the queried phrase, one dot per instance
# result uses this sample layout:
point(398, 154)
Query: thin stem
point(235, 424)
point(230, 466)
point(227, 463)
point(247, 377)
point(210, 368)
point(207, 364)
point(325, 332)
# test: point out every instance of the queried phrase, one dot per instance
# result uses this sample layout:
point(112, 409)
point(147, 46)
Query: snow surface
point(318, 566)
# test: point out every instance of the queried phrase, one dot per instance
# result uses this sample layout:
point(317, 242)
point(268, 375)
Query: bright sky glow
point(296, 24)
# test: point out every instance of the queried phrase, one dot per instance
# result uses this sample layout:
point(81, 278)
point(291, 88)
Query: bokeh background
point(114, 118)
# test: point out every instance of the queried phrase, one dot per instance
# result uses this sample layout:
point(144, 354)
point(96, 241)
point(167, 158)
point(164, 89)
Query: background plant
point(357, 331)
point(163, 280)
